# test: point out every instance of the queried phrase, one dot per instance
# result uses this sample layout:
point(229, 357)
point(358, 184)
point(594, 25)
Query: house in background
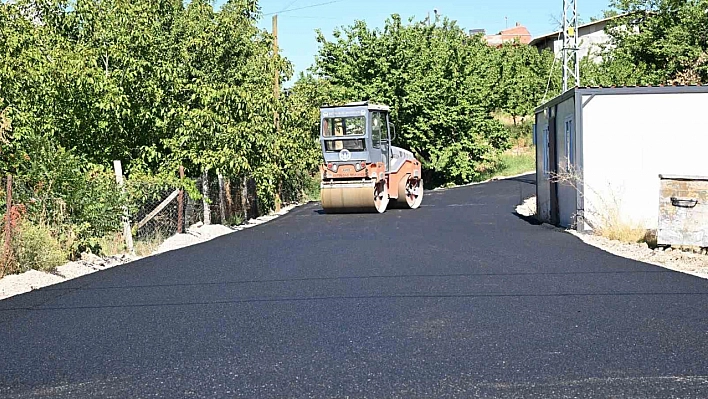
point(508, 35)
point(590, 37)
point(634, 152)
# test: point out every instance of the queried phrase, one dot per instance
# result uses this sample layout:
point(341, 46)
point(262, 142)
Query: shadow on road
point(529, 179)
point(528, 219)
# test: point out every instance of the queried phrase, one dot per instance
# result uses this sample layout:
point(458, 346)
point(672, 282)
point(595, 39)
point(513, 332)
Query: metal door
point(553, 167)
point(386, 141)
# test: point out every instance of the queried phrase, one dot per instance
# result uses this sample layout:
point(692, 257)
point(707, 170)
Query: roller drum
point(354, 197)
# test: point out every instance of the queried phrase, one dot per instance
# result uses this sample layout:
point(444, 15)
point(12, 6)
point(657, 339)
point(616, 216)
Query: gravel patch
point(674, 259)
point(198, 233)
point(195, 234)
point(527, 208)
point(15, 284)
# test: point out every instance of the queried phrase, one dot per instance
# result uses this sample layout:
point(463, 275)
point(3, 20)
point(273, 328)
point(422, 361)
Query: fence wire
point(92, 209)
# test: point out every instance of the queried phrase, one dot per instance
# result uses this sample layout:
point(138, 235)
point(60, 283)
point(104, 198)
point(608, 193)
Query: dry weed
point(604, 214)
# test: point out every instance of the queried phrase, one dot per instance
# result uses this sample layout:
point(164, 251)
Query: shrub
point(34, 248)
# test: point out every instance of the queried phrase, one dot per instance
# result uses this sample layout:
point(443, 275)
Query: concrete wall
point(629, 139)
point(589, 41)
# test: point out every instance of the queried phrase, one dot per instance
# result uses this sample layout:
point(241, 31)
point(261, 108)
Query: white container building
point(602, 150)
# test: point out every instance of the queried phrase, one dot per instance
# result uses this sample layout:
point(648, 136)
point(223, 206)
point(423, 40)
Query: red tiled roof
point(517, 32)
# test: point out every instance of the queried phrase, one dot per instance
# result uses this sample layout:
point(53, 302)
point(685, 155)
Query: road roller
point(362, 171)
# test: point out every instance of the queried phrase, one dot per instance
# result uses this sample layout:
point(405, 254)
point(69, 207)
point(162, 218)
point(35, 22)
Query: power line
point(288, 6)
point(302, 8)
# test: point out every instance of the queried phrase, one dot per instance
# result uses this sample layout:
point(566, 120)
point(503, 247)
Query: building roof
point(510, 34)
point(557, 34)
point(614, 90)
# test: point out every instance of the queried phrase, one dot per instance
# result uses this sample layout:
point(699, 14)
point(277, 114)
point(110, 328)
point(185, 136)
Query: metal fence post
point(7, 250)
point(205, 194)
point(127, 232)
point(222, 199)
point(180, 202)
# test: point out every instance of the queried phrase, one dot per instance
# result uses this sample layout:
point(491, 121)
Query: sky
point(298, 19)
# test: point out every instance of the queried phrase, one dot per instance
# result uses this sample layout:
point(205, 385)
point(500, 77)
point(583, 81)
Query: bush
point(34, 248)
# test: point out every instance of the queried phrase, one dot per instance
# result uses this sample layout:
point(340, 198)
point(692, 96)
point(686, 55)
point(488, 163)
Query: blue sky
point(296, 28)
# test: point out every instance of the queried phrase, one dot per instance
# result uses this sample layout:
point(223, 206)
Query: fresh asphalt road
point(460, 298)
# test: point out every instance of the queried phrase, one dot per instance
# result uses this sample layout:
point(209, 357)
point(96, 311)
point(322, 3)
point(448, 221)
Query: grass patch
point(614, 226)
point(146, 246)
point(513, 162)
point(235, 220)
point(621, 231)
point(520, 130)
point(112, 244)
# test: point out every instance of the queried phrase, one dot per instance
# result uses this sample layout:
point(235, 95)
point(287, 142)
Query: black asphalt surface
point(460, 298)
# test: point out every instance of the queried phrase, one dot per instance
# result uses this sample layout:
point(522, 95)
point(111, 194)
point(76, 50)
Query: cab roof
point(368, 105)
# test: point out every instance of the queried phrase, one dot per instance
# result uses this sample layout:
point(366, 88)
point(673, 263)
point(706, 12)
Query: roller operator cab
point(362, 171)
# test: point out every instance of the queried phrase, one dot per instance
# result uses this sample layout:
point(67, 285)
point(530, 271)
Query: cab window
point(348, 126)
point(376, 128)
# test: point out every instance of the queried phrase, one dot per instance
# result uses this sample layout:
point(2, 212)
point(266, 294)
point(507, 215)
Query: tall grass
point(604, 213)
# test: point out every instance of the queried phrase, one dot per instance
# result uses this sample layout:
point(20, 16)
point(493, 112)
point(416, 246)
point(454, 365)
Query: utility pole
point(571, 64)
point(276, 96)
point(276, 77)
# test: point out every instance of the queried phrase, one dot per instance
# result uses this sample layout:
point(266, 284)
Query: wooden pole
point(127, 233)
point(276, 95)
point(222, 205)
point(244, 197)
point(180, 202)
point(276, 73)
point(7, 250)
point(229, 198)
point(205, 196)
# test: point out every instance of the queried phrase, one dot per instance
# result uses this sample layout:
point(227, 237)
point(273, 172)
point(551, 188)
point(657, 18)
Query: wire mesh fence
point(230, 202)
point(88, 213)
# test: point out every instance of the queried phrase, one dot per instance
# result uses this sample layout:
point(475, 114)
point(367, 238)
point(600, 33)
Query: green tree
point(522, 79)
point(437, 79)
point(654, 42)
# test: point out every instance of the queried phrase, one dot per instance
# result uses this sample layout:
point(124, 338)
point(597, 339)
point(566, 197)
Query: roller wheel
point(381, 196)
point(410, 192)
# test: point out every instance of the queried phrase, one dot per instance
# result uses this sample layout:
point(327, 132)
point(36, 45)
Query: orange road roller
point(362, 171)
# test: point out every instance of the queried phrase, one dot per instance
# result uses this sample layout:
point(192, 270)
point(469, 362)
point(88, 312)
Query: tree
point(655, 42)
point(522, 78)
point(437, 79)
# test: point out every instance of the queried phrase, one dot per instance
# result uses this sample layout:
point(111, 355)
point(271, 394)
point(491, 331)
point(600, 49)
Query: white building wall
point(628, 140)
point(590, 42)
